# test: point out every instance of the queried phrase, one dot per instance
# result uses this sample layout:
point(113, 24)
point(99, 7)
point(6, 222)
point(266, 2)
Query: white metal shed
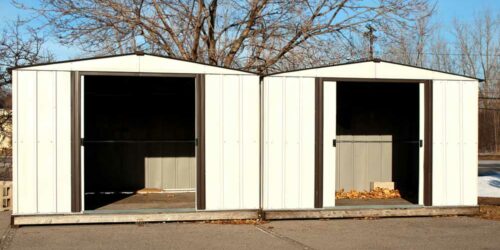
point(48, 120)
point(279, 142)
point(301, 138)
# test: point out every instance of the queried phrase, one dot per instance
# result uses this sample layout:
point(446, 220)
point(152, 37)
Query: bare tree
point(409, 44)
point(258, 35)
point(19, 45)
point(441, 55)
point(478, 44)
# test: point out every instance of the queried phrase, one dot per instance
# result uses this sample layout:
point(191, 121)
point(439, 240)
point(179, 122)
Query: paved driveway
point(408, 233)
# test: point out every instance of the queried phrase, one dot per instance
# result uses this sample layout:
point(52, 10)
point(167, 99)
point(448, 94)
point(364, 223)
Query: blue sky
point(446, 11)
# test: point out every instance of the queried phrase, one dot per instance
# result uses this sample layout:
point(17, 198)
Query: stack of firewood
point(376, 193)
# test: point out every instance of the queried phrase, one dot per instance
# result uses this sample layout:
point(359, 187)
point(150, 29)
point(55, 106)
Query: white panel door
point(288, 167)
point(63, 141)
point(232, 142)
point(421, 132)
point(82, 136)
point(329, 134)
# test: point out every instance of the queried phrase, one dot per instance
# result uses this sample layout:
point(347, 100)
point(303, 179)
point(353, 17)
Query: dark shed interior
point(126, 120)
point(385, 109)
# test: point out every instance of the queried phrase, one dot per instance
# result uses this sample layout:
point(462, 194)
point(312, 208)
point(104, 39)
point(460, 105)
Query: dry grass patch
point(489, 212)
point(237, 222)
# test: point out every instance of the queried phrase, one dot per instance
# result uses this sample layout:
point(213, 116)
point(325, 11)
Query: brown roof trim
point(126, 54)
point(376, 60)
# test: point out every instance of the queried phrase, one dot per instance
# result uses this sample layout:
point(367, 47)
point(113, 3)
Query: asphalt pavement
point(388, 233)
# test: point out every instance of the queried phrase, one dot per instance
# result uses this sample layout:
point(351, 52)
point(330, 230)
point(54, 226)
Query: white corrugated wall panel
point(214, 167)
point(46, 139)
point(250, 133)
point(454, 142)
point(289, 142)
point(307, 144)
point(453, 123)
point(63, 142)
point(42, 165)
point(231, 134)
point(470, 142)
point(26, 145)
point(291, 135)
point(438, 145)
point(232, 142)
point(273, 146)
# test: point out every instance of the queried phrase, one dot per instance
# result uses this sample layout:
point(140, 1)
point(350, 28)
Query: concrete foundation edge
point(21, 220)
point(371, 212)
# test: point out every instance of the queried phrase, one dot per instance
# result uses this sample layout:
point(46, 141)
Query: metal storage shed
point(49, 120)
point(262, 146)
point(305, 126)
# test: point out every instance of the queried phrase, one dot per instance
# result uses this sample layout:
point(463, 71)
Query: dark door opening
point(378, 140)
point(139, 142)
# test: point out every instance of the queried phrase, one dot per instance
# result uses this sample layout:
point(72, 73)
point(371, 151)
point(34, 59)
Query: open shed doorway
point(378, 143)
point(139, 143)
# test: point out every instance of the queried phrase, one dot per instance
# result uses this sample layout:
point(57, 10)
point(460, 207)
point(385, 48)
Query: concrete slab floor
point(412, 233)
point(142, 201)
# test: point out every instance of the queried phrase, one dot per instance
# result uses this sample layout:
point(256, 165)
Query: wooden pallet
point(6, 189)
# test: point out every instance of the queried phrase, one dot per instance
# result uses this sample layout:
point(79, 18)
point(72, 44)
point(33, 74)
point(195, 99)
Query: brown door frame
point(76, 176)
point(318, 151)
point(318, 142)
point(200, 143)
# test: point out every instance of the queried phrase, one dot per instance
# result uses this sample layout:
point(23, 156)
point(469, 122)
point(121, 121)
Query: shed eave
point(40, 66)
point(375, 74)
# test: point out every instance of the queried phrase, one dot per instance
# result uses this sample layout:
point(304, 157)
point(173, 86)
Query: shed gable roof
point(374, 69)
point(146, 63)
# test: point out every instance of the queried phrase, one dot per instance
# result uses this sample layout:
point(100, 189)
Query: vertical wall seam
point(260, 144)
point(445, 143)
point(366, 164)
point(241, 144)
point(353, 173)
point(267, 142)
point(36, 140)
point(380, 159)
point(16, 139)
point(55, 138)
point(283, 141)
point(222, 142)
point(176, 167)
point(461, 143)
point(300, 140)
